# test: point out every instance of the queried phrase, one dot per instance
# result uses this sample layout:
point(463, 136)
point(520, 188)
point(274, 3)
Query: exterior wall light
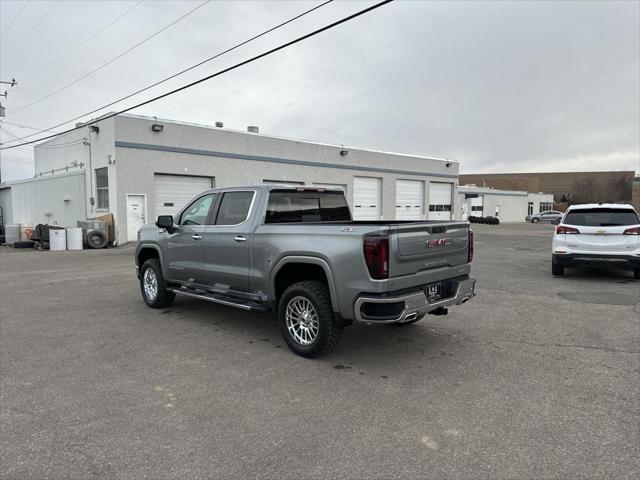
point(156, 127)
point(344, 153)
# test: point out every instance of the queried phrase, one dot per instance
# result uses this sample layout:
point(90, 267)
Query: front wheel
point(535, 220)
point(636, 273)
point(152, 285)
point(307, 321)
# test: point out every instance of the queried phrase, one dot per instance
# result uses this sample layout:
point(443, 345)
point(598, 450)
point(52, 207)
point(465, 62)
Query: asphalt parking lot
point(537, 377)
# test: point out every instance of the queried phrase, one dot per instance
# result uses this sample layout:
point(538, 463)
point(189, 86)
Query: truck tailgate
point(418, 247)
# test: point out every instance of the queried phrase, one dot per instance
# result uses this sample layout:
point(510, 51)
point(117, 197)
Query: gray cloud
point(498, 86)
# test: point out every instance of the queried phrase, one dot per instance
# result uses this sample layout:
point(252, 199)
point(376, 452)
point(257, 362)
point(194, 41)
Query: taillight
point(470, 245)
point(632, 231)
point(376, 255)
point(563, 229)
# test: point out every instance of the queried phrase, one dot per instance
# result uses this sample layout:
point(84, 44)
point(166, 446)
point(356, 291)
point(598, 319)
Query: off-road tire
point(557, 270)
point(164, 297)
point(329, 332)
point(96, 239)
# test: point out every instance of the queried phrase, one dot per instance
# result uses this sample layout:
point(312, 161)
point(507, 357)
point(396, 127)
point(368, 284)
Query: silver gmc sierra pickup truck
point(297, 251)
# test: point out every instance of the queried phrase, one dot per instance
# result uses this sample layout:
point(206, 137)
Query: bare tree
point(584, 190)
point(618, 189)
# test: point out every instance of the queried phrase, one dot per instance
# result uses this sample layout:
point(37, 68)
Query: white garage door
point(172, 192)
point(409, 200)
point(440, 201)
point(366, 198)
point(477, 206)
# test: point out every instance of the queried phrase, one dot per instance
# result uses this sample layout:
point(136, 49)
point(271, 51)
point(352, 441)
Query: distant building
point(577, 187)
point(635, 195)
point(508, 205)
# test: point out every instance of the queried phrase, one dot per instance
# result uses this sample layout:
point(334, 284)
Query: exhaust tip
point(410, 317)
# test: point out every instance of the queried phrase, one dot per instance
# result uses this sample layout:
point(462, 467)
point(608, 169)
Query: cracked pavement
point(536, 377)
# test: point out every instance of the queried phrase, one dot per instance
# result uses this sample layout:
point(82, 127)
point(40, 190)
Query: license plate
point(433, 291)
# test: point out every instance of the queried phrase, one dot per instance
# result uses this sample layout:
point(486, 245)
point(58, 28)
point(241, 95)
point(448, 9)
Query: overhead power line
point(84, 42)
point(14, 19)
point(217, 74)
point(7, 132)
point(166, 79)
point(40, 130)
point(26, 35)
point(50, 94)
point(64, 145)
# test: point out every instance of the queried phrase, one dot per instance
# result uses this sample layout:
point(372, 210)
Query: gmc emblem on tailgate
point(440, 242)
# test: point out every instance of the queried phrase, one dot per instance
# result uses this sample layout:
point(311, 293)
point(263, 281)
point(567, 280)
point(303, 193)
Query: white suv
point(596, 234)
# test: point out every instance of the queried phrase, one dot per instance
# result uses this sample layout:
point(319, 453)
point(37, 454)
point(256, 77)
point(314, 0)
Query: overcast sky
point(498, 86)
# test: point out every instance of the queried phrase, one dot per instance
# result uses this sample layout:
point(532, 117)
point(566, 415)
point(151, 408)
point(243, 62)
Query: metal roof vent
point(253, 129)
point(219, 124)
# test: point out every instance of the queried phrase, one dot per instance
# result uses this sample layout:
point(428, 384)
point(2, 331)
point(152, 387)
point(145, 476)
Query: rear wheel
point(152, 285)
point(307, 321)
point(557, 270)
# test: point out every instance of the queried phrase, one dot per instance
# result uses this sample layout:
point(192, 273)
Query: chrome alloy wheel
point(302, 320)
point(150, 284)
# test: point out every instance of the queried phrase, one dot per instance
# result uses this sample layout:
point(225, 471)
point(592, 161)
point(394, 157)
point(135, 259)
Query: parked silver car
point(550, 216)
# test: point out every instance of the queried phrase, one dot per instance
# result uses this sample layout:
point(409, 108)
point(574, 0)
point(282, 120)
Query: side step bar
point(211, 297)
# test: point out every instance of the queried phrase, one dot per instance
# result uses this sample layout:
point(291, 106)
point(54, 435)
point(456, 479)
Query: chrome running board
point(212, 297)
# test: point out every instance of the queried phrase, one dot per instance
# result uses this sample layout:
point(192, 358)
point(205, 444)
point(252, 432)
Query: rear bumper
point(592, 259)
point(406, 307)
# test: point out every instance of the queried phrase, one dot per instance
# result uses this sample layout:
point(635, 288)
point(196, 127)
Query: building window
point(476, 208)
point(530, 208)
point(102, 187)
point(439, 208)
point(544, 206)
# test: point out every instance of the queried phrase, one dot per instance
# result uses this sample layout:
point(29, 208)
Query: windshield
point(602, 217)
point(288, 206)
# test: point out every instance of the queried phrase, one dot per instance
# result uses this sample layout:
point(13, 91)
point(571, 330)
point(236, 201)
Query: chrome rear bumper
point(415, 304)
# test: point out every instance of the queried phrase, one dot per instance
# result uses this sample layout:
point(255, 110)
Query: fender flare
point(146, 246)
point(313, 261)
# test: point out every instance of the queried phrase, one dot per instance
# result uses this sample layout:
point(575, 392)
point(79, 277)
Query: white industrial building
point(138, 167)
point(507, 205)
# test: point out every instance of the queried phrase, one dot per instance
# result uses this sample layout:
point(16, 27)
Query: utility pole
point(11, 83)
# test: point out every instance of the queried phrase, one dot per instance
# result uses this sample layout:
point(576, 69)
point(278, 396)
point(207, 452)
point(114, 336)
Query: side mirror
point(164, 221)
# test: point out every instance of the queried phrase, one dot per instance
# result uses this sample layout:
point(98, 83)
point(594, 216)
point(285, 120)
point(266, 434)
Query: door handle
point(196, 237)
point(240, 238)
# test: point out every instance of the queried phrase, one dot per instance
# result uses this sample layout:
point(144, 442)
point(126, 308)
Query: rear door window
point(289, 206)
point(602, 217)
point(234, 208)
